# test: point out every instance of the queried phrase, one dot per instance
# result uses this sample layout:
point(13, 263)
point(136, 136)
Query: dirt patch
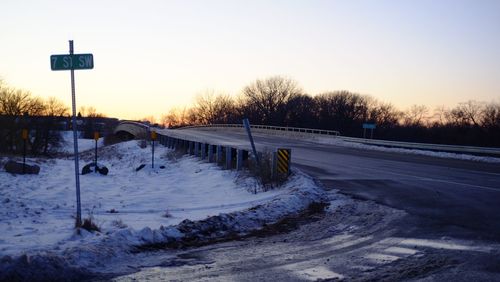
point(290, 223)
point(218, 229)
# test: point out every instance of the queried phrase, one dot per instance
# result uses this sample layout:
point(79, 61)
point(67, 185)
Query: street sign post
point(96, 138)
point(370, 126)
point(153, 139)
point(24, 135)
point(73, 62)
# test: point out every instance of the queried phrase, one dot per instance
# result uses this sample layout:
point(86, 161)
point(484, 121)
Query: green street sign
point(72, 62)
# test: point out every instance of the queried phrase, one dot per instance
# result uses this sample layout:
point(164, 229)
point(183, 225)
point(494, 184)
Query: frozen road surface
point(409, 217)
point(451, 192)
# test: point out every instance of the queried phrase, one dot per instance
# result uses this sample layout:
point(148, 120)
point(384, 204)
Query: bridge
point(450, 192)
point(128, 130)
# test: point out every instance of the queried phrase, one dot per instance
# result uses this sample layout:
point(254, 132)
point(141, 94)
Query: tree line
point(280, 101)
point(276, 101)
point(19, 110)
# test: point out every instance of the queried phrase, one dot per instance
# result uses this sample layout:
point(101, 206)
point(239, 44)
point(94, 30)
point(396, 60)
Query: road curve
point(447, 192)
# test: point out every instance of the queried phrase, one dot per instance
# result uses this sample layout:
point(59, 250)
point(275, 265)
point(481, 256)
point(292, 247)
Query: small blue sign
point(369, 126)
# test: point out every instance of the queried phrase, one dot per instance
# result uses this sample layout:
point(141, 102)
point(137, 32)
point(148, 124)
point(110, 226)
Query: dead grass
point(167, 214)
point(119, 223)
point(89, 224)
point(263, 172)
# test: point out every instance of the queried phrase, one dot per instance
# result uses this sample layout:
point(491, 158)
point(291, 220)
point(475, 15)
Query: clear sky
point(150, 56)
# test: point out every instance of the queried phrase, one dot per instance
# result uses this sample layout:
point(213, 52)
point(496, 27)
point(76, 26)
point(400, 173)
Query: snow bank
point(83, 144)
point(186, 202)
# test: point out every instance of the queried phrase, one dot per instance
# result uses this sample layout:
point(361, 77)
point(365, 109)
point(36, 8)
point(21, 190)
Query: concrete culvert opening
point(124, 135)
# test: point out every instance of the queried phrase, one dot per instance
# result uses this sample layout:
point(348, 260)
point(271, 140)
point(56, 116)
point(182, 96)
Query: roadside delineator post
point(96, 138)
point(218, 154)
point(274, 165)
point(24, 135)
point(228, 157)
point(203, 151)
point(283, 161)
point(153, 138)
point(210, 153)
point(190, 150)
point(239, 159)
point(196, 149)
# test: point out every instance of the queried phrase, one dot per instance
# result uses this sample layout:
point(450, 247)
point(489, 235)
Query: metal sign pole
point(95, 163)
point(153, 154)
point(246, 123)
point(153, 138)
point(75, 143)
point(24, 151)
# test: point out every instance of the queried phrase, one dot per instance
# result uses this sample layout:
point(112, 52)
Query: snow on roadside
point(83, 144)
point(444, 155)
point(187, 200)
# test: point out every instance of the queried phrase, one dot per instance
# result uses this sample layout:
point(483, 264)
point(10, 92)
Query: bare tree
point(18, 108)
point(468, 113)
point(491, 116)
point(440, 116)
point(301, 111)
point(149, 119)
point(270, 97)
point(211, 109)
point(89, 111)
point(416, 115)
point(54, 107)
point(176, 117)
point(385, 115)
point(342, 110)
point(18, 102)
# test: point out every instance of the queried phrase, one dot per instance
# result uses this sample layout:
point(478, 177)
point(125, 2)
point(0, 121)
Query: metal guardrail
point(269, 127)
point(491, 151)
point(427, 146)
point(227, 155)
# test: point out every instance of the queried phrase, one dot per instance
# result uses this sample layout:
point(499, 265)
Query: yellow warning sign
point(284, 160)
point(153, 135)
point(96, 135)
point(25, 134)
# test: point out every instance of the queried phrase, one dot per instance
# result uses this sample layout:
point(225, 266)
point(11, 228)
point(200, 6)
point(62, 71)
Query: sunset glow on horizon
point(151, 56)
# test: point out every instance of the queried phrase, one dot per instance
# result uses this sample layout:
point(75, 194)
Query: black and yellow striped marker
point(284, 160)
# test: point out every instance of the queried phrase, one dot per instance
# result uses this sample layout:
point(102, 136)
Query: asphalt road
point(445, 193)
point(448, 229)
point(362, 241)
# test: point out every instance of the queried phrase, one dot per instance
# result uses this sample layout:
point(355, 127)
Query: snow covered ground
point(181, 197)
point(83, 144)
